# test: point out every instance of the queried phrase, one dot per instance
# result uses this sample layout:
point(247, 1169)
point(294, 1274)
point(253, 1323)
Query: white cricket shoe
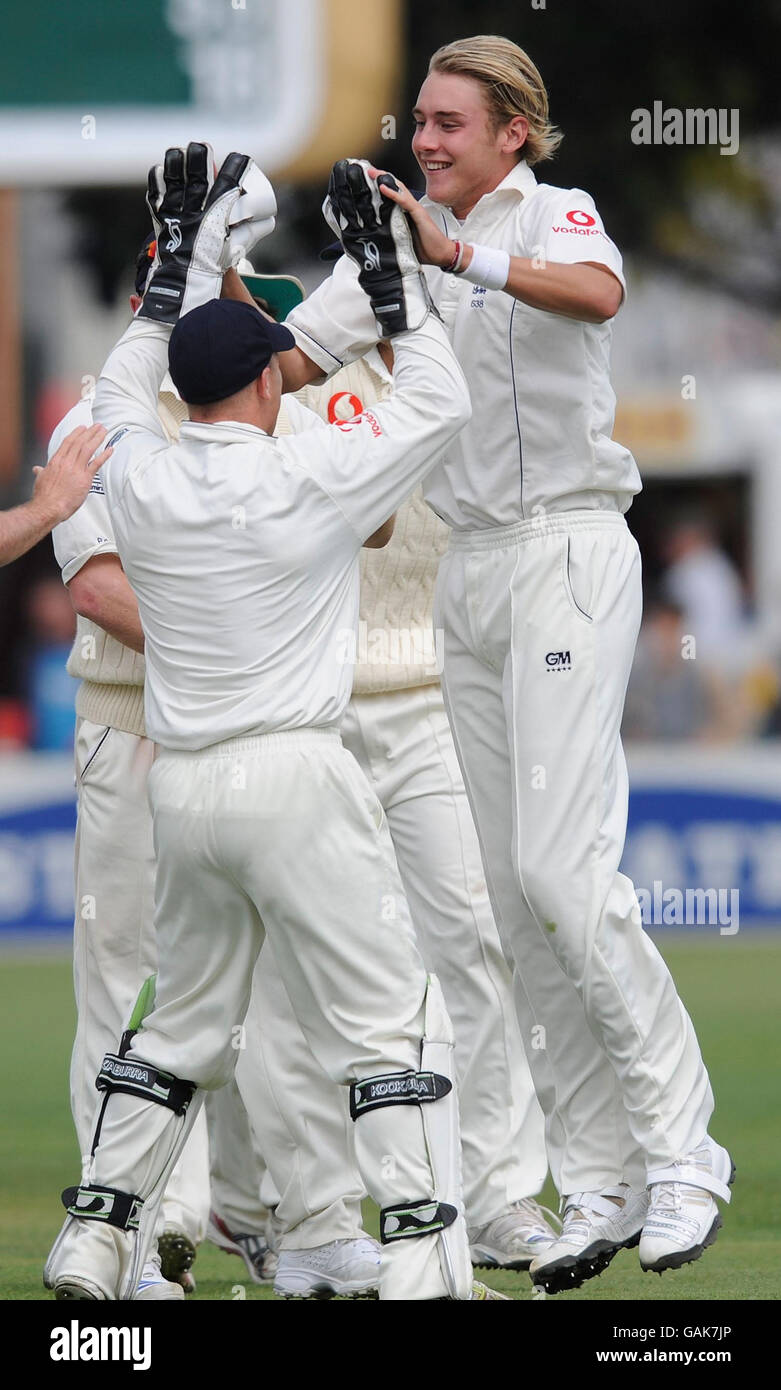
point(683, 1219)
point(514, 1239)
point(253, 1246)
point(152, 1287)
point(343, 1268)
point(595, 1227)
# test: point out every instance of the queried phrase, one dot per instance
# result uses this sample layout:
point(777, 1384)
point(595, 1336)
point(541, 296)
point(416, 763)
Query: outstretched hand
point(431, 244)
point(64, 482)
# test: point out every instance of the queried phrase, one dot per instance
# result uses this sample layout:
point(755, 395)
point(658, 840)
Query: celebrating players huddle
point(373, 918)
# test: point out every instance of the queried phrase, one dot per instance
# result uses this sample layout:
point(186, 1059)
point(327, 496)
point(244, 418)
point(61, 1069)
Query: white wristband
point(488, 267)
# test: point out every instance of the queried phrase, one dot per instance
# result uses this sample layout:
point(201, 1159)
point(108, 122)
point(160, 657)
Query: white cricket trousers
point(402, 742)
point(540, 622)
point(281, 834)
point(114, 948)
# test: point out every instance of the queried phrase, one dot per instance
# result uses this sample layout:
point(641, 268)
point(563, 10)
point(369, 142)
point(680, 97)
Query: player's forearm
point(382, 536)
point(22, 527)
point(129, 384)
point(101, 593)
point(589, 293)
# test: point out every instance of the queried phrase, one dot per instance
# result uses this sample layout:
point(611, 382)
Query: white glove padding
point(376, 234)
point(253, 216)
point(190, 210)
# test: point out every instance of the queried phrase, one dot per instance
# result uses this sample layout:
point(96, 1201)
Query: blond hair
point(513, 87)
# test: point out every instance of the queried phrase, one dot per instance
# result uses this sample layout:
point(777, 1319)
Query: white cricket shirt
point(543, 407)
point(242, 548)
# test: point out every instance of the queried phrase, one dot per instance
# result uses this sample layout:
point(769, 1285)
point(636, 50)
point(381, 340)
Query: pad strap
point(93, 1203)
point(135, 1077)
point(424, 1218)
point(397, 1088)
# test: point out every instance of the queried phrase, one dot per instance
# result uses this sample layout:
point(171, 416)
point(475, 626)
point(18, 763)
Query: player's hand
point(431, 244)
point(377, 236)
point(191, 208)
point(64, 482)
point(253, 216)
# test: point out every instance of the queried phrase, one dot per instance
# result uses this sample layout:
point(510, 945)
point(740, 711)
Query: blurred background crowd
point(697, 347)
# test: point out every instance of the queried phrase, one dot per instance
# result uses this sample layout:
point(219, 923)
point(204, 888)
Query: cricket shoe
point(683, 1219)
point(96, 1258)
point(595, 1227)
point(254, 1248)
point(341, 1269)
point(152, 1287)
point(177, 1253)
point(514, 1239)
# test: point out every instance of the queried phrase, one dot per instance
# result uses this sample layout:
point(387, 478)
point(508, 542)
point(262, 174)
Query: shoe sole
point(573, 1270)
point(678, 1258)
point(323, 1292)
point(177, 1253)
point(73, 1293)
point(485, 1261)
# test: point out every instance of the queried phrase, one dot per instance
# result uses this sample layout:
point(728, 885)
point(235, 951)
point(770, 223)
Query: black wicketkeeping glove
point(376, 234)
point(190, 212)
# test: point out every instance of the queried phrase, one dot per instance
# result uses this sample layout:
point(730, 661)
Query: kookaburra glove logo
point(372, 255)
point(175, 230)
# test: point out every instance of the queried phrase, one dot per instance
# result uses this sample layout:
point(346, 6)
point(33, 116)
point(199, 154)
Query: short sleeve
point(88, 532)
point(570, 230)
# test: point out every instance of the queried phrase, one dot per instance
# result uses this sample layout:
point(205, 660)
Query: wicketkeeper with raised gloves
point(242, 550)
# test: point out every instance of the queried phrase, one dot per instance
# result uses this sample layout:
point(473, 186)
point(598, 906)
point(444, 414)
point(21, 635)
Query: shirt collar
point(224, 429)
point(520, 181)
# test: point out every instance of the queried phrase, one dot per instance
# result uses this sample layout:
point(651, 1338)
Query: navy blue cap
point(219, 348)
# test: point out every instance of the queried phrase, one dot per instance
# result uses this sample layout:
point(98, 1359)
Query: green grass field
point(730, 986)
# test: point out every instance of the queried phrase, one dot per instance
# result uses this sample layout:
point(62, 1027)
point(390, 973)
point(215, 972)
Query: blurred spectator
point(707, 589)
point(672, 694)
point(50, 690)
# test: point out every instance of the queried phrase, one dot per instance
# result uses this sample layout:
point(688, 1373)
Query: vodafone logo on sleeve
point(343, 406)
point(581, 224)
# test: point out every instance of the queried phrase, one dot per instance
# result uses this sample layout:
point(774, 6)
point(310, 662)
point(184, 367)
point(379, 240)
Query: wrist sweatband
point(488, 267)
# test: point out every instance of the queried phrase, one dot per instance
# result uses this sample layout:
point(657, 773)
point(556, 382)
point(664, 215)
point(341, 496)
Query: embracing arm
point(101, 592)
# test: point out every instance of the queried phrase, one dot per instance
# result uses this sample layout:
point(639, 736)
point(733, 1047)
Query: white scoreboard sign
point(93, 92)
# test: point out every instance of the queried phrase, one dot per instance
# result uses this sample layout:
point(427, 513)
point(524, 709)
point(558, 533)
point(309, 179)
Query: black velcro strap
point(398, 1088)
point(138, 1078)
point(108, 1204)
point(423, 1218)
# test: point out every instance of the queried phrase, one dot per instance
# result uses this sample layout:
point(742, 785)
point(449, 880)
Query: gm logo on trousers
point(558, 661)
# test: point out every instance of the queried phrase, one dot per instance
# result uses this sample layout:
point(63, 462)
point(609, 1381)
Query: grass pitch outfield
point(729, 984)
